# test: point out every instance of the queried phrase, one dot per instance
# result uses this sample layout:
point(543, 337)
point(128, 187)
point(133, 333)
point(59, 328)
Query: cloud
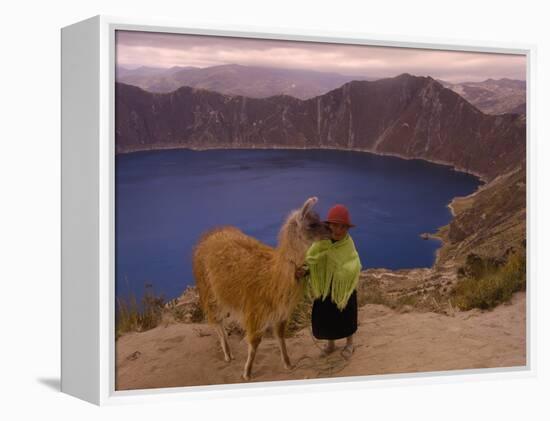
point(137, 48)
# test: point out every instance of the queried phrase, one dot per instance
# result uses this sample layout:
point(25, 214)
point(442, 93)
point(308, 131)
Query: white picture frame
point(88, 66)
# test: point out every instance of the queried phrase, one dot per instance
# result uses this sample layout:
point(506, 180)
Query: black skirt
point(328, 322)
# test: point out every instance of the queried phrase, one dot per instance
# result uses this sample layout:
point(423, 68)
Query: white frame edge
point(99, 386)
point(80, 281)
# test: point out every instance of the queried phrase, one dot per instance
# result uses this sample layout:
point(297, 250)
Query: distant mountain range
point(233, 79)
point(490, 96)
point(493, 96)
point(414, 117)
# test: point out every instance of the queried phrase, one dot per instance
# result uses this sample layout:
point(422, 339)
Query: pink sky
point(136, 49)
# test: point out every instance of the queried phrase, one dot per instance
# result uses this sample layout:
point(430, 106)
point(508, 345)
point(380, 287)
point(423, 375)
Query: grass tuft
point(491, 285)
point(300, 317)
point(130, 317)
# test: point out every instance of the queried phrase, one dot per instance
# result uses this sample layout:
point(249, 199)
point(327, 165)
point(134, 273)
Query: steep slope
point(488, 222)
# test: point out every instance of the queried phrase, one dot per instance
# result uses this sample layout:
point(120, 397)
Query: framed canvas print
point(246, 209)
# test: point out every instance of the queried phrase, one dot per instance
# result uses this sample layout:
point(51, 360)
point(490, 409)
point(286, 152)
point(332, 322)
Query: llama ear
point(309, 203)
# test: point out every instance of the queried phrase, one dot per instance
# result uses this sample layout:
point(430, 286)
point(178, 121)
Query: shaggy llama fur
point(238, 274)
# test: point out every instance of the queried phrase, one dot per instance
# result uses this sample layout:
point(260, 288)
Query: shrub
point(489, 287)
point(371, 294)
point(405, 300)
point(300, 317)
point(130, 317)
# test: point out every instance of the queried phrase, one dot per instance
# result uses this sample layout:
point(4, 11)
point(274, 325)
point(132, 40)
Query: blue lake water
point(166, 199)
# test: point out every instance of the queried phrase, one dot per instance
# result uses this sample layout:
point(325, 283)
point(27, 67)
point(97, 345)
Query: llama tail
point(206, 295)
point(202, 285)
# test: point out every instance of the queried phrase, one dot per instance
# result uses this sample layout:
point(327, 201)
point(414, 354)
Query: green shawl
point(339, 262)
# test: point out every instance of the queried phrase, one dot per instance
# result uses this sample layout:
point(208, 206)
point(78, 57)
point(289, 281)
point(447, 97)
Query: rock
point(187, 307)
point(134, 356)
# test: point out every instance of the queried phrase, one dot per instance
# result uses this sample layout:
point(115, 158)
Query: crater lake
point(166, 199)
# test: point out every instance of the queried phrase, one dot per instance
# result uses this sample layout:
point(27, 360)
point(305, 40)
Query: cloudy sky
point(136, 49)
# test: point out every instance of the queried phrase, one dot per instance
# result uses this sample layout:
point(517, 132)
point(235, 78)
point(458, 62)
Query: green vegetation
point(131, 318)
point(371, 294)
point(184, 314)
point(487, 284)
point(405, 300)
point(300, 317)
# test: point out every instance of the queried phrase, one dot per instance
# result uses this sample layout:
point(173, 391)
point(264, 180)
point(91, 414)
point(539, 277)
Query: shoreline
point(483, 178)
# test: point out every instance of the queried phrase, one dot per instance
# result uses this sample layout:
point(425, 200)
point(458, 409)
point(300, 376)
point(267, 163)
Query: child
point(332, 268)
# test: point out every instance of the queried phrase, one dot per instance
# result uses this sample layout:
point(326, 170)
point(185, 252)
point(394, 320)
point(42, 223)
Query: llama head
point(309, 225)
point(302, 227)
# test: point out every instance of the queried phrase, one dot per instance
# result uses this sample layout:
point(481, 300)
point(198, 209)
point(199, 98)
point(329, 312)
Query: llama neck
point(290, 251)
point(289, 255)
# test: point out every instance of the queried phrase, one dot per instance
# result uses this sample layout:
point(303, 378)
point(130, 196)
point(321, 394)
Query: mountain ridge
point(235, 79)
point(409, 116)
point(493, 96)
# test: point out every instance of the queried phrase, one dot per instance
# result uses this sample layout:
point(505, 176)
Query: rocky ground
point(388, 341)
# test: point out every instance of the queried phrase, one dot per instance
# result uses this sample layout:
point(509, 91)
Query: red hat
point(339, 214)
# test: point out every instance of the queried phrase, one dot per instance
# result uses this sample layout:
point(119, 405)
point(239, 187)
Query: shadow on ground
point(53, 383)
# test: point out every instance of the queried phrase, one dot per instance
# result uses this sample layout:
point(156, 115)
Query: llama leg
point(212, 314)
point(280, 335)
point(253, 342)
point(223, 341)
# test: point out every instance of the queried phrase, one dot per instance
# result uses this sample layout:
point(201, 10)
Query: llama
point(238, 274)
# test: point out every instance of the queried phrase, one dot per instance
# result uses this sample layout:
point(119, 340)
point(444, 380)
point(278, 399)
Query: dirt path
point(386, 342)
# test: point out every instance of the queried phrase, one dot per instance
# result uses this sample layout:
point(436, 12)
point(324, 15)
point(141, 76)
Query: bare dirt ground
point(387, 341)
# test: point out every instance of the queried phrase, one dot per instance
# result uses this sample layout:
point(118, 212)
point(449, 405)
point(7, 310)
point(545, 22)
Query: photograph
point(304, 210)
